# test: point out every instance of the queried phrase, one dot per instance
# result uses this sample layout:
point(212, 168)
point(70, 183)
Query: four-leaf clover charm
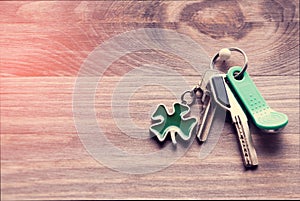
point(173, 123)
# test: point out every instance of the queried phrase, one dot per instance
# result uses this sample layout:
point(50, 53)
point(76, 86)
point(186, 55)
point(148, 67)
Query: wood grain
point(43, 45)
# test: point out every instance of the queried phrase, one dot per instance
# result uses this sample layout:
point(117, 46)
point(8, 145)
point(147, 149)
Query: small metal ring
point(192, 94)
point(240, 75)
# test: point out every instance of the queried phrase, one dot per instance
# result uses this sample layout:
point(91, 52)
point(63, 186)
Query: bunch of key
point(236, 93)
point(233, 92)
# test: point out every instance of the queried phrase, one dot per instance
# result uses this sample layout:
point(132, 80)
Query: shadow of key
point(270, 143)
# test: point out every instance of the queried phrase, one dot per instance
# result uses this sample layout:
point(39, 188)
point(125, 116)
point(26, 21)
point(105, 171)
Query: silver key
point(224, 97)
point(209, 107)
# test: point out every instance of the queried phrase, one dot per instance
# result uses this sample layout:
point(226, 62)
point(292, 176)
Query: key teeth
point(252, 162)
point(246, 144)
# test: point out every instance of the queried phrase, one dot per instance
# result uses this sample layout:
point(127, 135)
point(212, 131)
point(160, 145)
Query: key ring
point(240, 75)
point(223, 54)
point(192, 96)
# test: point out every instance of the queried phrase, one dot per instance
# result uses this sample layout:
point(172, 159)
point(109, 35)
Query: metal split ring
point(192, 96)
point(240, 75)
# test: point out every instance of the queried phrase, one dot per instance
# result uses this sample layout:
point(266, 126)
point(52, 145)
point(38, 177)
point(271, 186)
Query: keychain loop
point(240, 75)
point(192, 95)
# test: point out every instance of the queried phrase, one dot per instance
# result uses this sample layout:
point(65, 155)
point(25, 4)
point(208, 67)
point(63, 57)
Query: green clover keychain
point(173, 123)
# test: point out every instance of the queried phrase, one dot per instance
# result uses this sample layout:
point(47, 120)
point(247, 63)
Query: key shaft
point(206, 121)
point(245, 142)
point(208, 105)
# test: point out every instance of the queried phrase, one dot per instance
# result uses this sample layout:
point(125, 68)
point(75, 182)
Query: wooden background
point(44, 43)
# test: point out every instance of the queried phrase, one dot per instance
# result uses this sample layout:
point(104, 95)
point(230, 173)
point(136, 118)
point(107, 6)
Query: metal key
point(224, 97)
point(209, 107)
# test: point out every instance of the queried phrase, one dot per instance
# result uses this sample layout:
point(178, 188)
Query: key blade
point(215, 132)
point(245, 142)
point(206, 122)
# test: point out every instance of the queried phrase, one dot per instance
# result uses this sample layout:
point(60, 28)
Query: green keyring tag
point(262, 115)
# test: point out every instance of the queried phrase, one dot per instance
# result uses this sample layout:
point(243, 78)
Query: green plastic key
point(263, 116)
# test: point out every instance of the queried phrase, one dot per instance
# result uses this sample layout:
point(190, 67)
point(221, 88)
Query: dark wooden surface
point(44, 43)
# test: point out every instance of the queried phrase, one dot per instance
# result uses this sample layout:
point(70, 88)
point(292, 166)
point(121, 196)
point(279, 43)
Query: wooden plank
point(56, 40)
point(59, 177)
point(61, 53)
point(44, 104)
point(147, 11)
